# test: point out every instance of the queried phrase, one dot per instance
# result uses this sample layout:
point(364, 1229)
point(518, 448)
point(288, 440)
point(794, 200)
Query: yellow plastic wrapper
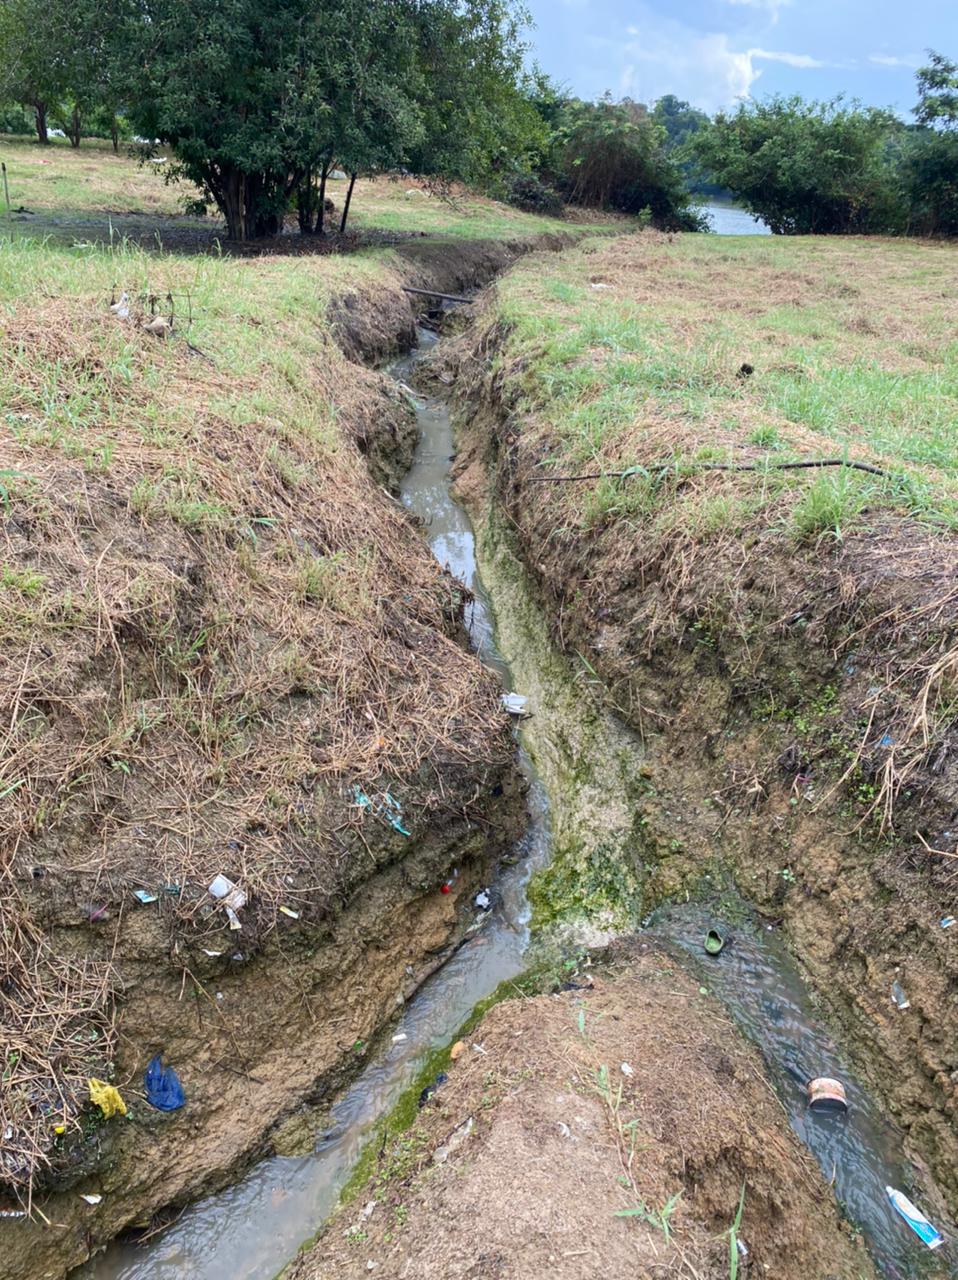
point(106, 1097)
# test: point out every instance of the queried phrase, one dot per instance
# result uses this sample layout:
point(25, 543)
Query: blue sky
point(714, 52)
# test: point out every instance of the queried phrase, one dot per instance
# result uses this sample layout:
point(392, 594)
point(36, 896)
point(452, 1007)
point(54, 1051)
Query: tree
point(682, 122)
point(32, 63)
point(478, 118)
point(938, 92)
point(260, 98)
point(807, 167)
point(612, 155)
point(930, 157)
point(52, 61)
point(364, 63)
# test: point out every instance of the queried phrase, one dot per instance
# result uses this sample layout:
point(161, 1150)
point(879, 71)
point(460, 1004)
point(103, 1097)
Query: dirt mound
point(602, 1131)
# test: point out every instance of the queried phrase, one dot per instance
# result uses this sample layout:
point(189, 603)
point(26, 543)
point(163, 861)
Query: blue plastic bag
point(163, 1088)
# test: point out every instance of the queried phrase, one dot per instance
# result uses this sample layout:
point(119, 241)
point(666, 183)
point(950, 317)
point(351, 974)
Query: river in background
point(729, 220)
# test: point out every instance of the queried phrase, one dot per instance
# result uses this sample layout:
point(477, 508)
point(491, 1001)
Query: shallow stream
point(252, 1230)
point(761, 986)
point(580, 764)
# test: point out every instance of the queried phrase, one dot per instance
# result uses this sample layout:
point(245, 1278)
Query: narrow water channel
point(252, 1230)
point(761, 986)
point(582, 762)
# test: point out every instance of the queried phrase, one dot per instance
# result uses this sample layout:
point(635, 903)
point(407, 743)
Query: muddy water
point(581, 757)
point(757, 980)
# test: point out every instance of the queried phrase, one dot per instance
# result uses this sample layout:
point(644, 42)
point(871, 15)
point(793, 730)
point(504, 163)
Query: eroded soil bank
point(793, 692)
point(603, 1130)
point(194, 692)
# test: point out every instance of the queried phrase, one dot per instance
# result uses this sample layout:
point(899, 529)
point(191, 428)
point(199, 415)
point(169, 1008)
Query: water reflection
point(729, 220)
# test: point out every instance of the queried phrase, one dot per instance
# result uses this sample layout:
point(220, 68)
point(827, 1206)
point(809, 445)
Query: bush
point(14, 119)
point(929, 168)
point(526, 191)
point(611, 155)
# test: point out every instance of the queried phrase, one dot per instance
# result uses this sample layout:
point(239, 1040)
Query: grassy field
point(80, 191)
point(634, 354)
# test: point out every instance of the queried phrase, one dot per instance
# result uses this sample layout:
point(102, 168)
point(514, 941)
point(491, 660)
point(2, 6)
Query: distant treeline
point(841, 168)
point(260, 100)
point(804, 167)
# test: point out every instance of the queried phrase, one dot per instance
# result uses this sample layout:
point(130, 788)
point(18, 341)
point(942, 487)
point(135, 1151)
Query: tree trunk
point(321, 216)
point(40, 114)
point(75, 128)
point(349, 200)
point(304, 204)
point(115, 135)
point(234, 204)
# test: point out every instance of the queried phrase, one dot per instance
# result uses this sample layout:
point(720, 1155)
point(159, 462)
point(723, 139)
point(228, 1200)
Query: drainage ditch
point(582, 767)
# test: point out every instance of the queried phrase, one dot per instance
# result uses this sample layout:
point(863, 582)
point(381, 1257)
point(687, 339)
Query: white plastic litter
point(626, 1069)
point(899, 999)
point(483, 900)
point(454, 1141)
point(231, 895)
point(288, 911)
point(91, 1199)
point(515, 703)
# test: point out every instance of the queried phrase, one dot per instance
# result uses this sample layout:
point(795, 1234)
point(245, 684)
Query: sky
point(716, 52)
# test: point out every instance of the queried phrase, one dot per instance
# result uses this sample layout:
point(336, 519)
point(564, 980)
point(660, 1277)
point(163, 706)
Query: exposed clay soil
point(795, 701)
point(563, 1113)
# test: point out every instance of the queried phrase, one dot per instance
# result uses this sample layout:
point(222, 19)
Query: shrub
point(526, 191)
point(808, 168)
point(611, 155)
point(14, 119)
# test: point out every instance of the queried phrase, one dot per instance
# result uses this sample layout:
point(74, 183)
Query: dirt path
point(601, 1131)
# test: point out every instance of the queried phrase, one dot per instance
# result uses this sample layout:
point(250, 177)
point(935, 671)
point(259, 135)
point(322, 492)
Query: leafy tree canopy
point(260, 98)
point(807, 167)
point(938, 92)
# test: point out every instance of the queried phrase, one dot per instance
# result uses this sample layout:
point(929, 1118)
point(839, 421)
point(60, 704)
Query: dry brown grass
point(213, 629)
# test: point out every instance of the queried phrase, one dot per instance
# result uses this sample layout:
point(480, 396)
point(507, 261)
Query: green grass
point(861, 358)
point(91, 193)
point(90, 179)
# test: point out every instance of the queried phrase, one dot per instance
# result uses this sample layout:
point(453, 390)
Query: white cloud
point(911, 61)
point(790, 59)
point(703, 68)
